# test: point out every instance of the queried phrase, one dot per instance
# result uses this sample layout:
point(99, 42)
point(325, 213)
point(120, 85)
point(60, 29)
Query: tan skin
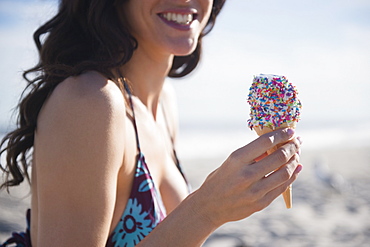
point(85, 150)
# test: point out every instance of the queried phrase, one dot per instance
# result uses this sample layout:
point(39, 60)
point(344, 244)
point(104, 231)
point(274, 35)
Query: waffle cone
point(287, 194)
point(261, 131)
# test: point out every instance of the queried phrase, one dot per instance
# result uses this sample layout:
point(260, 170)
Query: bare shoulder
point(90, 89)
point(79, 149)
point(89, 96)
point(84, 109)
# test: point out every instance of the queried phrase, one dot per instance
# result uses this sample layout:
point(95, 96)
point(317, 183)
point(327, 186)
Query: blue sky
point(321, 46)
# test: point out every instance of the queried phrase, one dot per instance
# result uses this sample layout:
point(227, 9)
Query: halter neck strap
point(127, 88)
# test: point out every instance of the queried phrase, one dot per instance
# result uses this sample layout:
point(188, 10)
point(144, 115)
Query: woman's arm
point(234, 191)
point(78, 152)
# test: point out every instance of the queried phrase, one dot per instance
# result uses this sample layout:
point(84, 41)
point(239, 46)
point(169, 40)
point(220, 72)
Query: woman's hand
point(237, 189)
point(242, 186)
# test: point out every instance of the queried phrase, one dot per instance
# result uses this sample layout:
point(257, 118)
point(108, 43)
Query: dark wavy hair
point(84, 35)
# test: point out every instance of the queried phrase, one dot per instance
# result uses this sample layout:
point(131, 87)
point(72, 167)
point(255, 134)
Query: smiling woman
point(98, 125)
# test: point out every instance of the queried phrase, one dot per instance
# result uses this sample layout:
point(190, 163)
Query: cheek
point(130, 14)
point(135, 27)
point(207, 12)
point(208, 8)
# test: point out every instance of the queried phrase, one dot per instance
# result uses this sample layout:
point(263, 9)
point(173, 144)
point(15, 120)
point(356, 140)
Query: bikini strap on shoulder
point(127, 88)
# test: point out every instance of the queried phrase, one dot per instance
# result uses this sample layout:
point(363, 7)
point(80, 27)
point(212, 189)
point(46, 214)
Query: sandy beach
point(331, 205)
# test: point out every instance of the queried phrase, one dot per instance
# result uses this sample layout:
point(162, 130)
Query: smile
point(182, 19)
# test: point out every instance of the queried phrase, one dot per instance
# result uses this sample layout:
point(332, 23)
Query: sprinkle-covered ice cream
point(273, 102)
point(274, 105)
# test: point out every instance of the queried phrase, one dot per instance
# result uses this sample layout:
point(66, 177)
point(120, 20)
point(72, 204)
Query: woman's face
point(167, 26)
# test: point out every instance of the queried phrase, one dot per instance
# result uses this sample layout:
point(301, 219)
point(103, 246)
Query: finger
point(276, 178)
point(259, 146)
point(261, 157)
point(278, 158)
point(283, 174)
point(274, 193)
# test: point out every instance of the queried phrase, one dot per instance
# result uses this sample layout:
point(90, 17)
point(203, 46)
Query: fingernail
point(299, 169)
point(290, 132)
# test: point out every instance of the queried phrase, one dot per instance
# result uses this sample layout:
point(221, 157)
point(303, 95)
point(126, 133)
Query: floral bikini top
point(143, 212)
point(144, 209)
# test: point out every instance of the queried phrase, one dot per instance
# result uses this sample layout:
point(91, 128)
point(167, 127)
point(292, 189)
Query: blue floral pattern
point(20, 239)
point(133, 226)
point(143, 212)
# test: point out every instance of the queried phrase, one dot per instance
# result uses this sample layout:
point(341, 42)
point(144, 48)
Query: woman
point(100, 125)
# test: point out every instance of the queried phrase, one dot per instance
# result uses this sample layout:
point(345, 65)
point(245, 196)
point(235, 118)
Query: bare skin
point(237, 189)
point(81, 152)
point(85, 150)
point(101, 152)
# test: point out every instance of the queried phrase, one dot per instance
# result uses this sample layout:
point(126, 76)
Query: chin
point(185, 49)
point(183, 54)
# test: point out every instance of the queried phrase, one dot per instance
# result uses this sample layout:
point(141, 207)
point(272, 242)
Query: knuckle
point(296, 158)
point(293, 160)
point(285, 174)
point(249, 174)
point(283, 135)
point(267, 140)
point(254, 192)
point(296, 145)
point(282, 155)
point(235, 157)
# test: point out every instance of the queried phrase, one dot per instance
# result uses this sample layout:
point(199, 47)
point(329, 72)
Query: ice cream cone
point(287, 194)
point(274, 104)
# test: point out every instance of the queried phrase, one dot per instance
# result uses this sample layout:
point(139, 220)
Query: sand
point(331, 205)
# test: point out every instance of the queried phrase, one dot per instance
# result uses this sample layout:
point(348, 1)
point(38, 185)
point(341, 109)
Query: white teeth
point(178, 18)
point(174, 17)
point(189, 17)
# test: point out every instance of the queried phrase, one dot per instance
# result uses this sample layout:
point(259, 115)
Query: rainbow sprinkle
point(273, 102)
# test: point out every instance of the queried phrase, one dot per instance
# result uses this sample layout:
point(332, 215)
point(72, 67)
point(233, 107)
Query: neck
point(146, 76)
